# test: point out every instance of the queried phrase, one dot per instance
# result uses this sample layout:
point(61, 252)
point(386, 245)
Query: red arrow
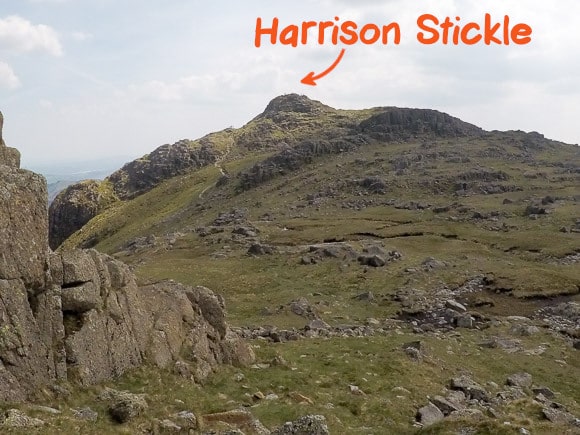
point(311, 77)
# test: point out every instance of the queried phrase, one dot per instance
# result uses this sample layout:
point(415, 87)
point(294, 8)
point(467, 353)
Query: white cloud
point(8, 79)
point(20, 35)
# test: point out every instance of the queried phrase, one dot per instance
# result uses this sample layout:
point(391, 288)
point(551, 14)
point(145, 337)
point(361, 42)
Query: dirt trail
point(218, 164)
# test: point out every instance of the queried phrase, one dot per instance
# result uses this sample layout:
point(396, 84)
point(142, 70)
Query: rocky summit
point(386, 271)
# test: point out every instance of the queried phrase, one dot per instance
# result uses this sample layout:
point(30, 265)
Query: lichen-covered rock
point(307, 425)
point(23, 226)
point(123, 405)
point(80, 316)
point(8, 156)
point(13, 418)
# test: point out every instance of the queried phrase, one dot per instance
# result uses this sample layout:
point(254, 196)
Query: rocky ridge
point(278, 128)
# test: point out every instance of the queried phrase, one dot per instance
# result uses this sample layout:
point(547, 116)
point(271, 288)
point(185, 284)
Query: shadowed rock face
point(74, 207)
point(80, 316)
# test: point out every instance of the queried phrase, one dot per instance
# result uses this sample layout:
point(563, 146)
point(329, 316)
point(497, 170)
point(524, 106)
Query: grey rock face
point(80, 316)
point(76, 205)
point(429, 415)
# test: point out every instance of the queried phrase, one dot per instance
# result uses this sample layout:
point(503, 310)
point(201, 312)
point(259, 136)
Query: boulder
point(522, 380)
point(429, 414)
point(470, 388)
point(122, 405)
point(307, 425)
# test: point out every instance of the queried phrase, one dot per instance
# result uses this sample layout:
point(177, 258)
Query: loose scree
point(432, 30)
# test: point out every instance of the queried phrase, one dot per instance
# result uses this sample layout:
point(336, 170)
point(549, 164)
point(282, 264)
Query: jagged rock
point(394, 123)
point(456, 306)
point(167, 161)
point(13, 418)
point(122, 405)
point(446, 406)
point(80, 202)
point(545, 391)
point(261, 249)
point(80, 316)
point(186, 419)
point(8, 156)
point(307, 425)
point(301, 307)
point(23, 227)
point(415, 350)
point(470, 388)
point(371, 260)
point(523, 380)
point(429, 414)
point(558, 416)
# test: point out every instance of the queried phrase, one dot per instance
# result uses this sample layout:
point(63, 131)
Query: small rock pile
point(467, 398)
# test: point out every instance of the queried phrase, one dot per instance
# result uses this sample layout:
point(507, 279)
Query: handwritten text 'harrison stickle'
point(431, 31)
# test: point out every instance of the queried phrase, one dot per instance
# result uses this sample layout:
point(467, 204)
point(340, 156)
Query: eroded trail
point(218, 165)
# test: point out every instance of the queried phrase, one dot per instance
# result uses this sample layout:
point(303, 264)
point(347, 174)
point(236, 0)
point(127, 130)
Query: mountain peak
point(294, 103)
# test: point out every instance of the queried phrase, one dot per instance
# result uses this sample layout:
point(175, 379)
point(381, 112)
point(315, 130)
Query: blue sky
point(86, 79)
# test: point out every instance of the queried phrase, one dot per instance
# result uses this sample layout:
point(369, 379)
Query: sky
point(89, 79)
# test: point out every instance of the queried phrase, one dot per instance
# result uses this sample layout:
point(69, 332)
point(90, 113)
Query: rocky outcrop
point(395, 123)
point(80, 315)
point(167, 161)
point(8, 156)
point(79, 203)
point(75, 206)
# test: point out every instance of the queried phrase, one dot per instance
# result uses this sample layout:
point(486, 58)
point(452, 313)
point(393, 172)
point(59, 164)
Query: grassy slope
point(519, 256)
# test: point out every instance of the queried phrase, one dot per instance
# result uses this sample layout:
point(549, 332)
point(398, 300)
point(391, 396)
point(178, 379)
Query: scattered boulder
point(186, 419)
point(470, 388)
point(123, 405)
point(523, 380)
point(13, 418)
point(301, 307)
point(431, 263)
point(261, 249)
point(371, 260)
point(558, 416)
point(456, 306)
point(429, 414)
point(544, 391)
point(307, 425)
point(446, 406)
